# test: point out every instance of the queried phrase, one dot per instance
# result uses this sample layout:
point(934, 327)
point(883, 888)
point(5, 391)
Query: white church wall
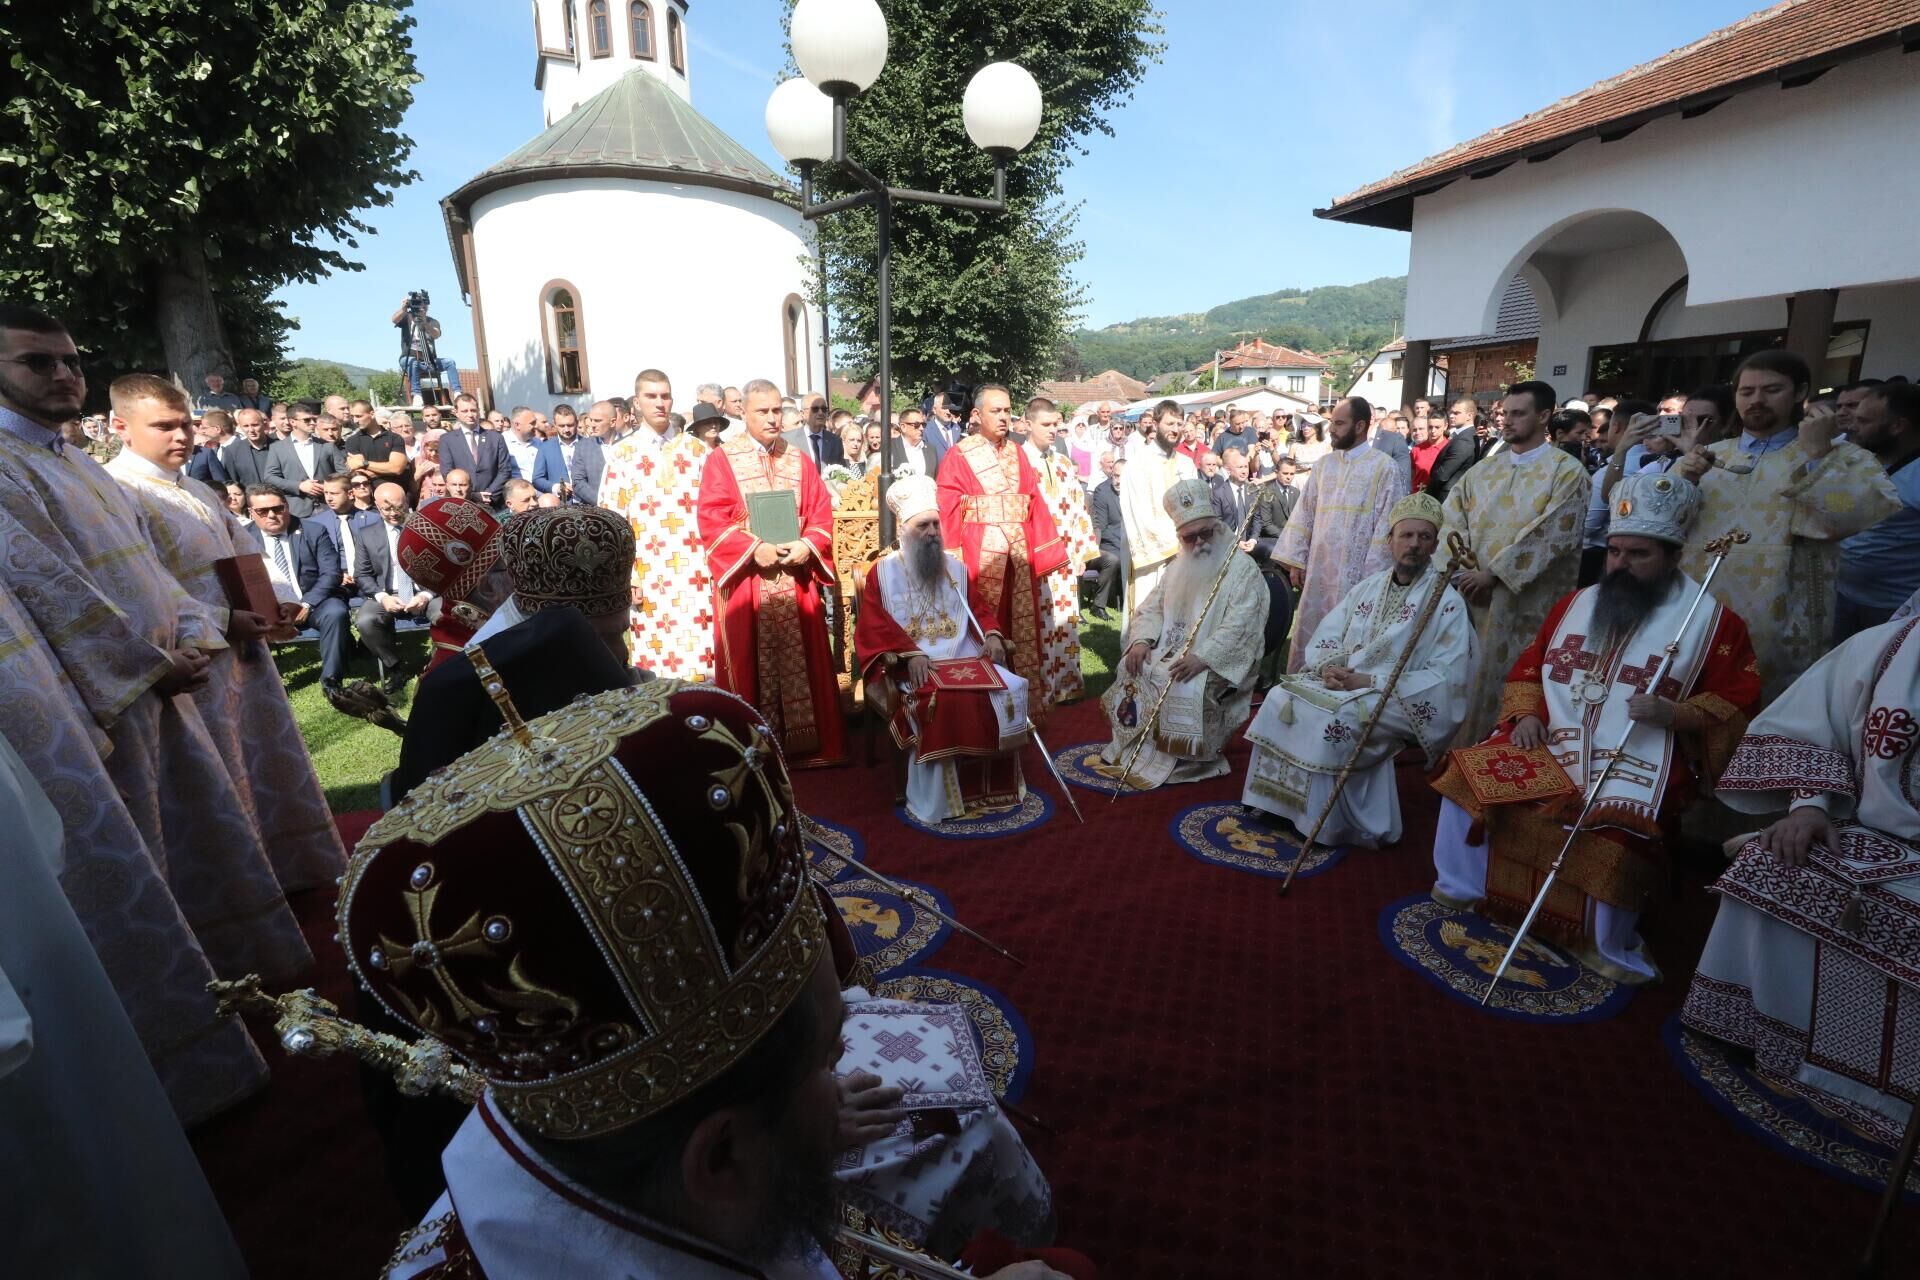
point(1604, 298)
point(1756, 193)
point(692, 280)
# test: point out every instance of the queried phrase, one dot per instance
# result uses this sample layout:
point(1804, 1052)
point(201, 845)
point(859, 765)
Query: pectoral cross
point(1639, 676)
point(1560, 664)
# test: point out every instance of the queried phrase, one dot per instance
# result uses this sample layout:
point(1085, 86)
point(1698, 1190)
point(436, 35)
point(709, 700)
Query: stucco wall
point(691, 280)
point(1775, 191)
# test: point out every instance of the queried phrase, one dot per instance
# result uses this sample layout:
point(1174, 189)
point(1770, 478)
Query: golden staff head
point(1461, 554)
point(1726, 542)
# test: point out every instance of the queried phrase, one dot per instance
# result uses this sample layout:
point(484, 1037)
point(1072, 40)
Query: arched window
point(793, 338)
point(563, 335)
point(640, 28)
point(676, 41)
point(599, 29)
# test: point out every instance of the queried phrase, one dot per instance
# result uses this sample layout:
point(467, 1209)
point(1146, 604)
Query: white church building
point(1755, 188)
point(582, 254)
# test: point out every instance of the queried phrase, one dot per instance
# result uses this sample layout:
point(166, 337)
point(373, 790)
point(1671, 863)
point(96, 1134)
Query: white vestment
point(1305, 732)
point(100, 1178)
point(1817, 968)
point(518, 1216)
point(939, 622)
point(1197, 715)
point(1151, 537)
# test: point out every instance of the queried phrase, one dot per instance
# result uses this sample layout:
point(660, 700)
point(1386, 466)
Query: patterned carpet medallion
point(1228, 836)
point(1076, 765)
point(1006, 1046)
point(828, 842)
point(1032, 812)
point(1781, 1116)
point(1458, 951)
point(889, 930)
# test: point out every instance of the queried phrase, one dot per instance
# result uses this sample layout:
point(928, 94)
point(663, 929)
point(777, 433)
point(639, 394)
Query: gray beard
point(1189, 578)
point(1625, 603)
point(926, 560)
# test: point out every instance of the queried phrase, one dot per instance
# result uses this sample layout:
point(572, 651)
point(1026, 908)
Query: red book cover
point(965, 673)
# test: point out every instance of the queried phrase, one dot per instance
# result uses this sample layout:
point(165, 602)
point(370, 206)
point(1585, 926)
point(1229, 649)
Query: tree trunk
point(188, 323)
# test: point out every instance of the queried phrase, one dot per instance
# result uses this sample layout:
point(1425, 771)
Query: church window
point(566, 22)
point(676, 41)
point(599, 28)
point(793, 337)
point(562, 333)
point(640, 23)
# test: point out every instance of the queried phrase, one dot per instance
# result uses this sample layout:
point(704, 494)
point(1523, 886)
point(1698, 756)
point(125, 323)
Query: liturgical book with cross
point(774, 515)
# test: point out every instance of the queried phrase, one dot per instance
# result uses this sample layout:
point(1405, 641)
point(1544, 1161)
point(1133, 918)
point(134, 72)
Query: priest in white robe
point(1815, 955)
point(964, 744)
point(244, 702)
point(1308, 725)
point(1152, 469)
point(1201, 653)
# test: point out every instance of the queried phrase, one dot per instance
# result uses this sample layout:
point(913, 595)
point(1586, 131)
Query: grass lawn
point(351, 755)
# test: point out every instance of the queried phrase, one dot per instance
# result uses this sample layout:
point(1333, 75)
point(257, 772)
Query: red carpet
point(1243, 1085)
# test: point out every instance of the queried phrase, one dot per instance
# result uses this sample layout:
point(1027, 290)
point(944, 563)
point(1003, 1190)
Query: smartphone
point(1669, 425)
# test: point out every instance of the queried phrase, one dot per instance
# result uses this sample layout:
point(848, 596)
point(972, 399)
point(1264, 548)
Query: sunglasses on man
point(42, 364)
point(279, 509)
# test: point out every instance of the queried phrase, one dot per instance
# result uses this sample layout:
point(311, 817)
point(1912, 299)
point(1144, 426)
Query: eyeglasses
point(361, 484)
point(1199, 539)
point(42, 364)
point(279, 510)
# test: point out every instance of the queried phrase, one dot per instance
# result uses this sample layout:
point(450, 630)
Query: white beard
point(1188, 580)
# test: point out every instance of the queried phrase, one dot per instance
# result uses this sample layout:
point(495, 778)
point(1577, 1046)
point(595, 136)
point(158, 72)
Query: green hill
point(1350, 320)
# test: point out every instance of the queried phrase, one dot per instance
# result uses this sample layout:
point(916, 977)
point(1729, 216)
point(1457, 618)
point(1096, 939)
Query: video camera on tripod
point(419, 356)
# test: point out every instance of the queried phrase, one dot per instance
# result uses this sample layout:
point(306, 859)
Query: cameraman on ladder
point(418, 359)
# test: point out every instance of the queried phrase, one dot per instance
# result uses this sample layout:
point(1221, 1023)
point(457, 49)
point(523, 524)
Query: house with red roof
point(1754, 188)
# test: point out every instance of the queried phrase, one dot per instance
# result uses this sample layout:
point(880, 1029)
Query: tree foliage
point(313, 380)
point(386, 387)
point(151, 147)
point(976, 295)
point(1340, 322)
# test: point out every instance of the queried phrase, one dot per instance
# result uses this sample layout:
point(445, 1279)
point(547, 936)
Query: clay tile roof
point(1110, 385)
point(1261, 354)
point(1789, 43)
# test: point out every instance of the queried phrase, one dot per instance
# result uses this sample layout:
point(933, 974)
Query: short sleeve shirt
point(377, 447)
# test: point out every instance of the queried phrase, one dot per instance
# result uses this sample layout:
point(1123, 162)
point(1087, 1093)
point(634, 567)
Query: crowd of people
point(689, 1052)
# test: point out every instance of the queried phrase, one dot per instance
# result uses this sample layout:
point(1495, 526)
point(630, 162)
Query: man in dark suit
point(814, 439)
point(1462, 449)
point(297, 465)
point(303, 561)
point(916, 441)
point(553, 458)
point(245, 457)
point(1111, 529)
point(468, 446)
point(389, 593)
point(1233, 490)
point(203, 464)
point(597, 435)
point(345, 523)
point(944, 425)
point(1273, 505)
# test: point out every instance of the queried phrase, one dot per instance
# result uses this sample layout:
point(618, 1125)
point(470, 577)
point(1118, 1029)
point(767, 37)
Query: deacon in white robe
point(1202, 656)
point(1152, 470)
point(1308, 725)
point(1814, 958)
point(964, 744)
point(244, 702)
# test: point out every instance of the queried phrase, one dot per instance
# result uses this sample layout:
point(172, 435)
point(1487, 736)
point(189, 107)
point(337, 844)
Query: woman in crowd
point(237, 502)
point(426, 465)
point(1309, 446)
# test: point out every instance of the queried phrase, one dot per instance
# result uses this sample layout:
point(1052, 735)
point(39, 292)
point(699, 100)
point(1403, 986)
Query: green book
point(774, 515)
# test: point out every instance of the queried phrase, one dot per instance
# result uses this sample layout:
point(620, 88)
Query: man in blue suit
point(305, 566)
point(468, 446)
point(553, 462)
point(343, 522)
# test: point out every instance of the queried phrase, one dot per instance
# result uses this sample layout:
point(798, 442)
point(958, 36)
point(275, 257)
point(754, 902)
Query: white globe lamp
point(800, 122)
point(841, 45)
point(1001, 108)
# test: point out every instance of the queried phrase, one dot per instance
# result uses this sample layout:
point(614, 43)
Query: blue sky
point(1260, 111)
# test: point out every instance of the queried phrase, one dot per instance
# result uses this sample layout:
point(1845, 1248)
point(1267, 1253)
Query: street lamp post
point(841, 46)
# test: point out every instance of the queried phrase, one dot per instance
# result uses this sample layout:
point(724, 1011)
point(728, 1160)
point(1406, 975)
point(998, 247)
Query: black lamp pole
point(883, 197)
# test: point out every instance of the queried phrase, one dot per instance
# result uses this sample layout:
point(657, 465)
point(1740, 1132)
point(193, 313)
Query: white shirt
point(523, 452)
point(303, 450)
point(286, 586)
point(403, 588)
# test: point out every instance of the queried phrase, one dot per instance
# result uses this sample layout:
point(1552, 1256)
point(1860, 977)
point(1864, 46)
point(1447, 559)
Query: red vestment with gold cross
point(770, 625)
point(993, 513)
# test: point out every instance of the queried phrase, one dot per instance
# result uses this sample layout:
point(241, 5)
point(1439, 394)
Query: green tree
point(170, 163)
point(313, 380)
point(976, 295)
point(386, 386)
